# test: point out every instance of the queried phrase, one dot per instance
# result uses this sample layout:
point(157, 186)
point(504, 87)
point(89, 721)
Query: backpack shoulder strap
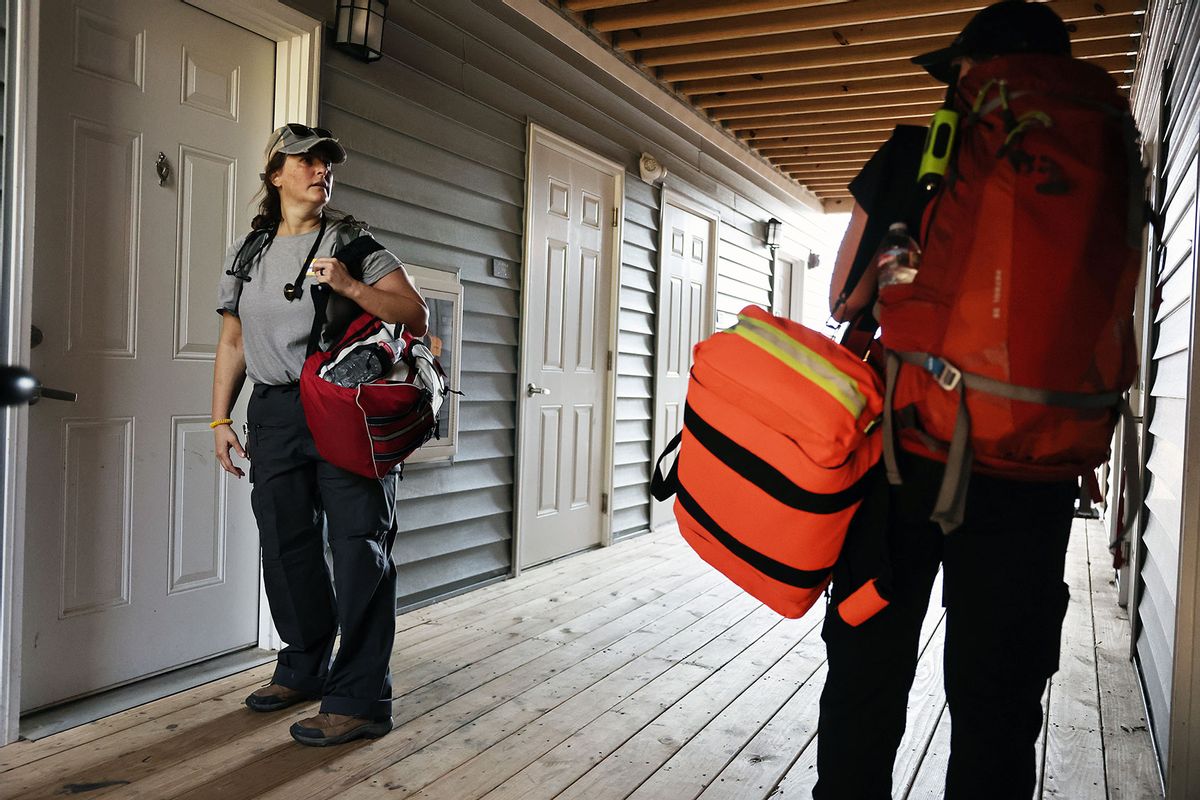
point(351, 246)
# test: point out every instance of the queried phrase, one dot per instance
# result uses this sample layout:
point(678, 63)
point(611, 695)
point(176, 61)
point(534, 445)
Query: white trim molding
point(297, 38)
point(19, 164)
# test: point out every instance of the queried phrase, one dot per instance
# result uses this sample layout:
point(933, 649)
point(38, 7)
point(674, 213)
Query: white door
point(137, 558)
point(566, 364)
point(788, 294)
point(687, 249)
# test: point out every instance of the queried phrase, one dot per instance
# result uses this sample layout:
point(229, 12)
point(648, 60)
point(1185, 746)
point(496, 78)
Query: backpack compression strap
point(952, 497)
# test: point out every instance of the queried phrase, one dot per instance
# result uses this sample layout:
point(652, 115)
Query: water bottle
point(898, 257)
point(363, 364)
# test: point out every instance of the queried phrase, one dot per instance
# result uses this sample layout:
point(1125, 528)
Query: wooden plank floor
point(633, 672)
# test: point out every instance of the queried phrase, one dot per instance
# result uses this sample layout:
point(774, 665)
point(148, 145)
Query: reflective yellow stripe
point(803, 360)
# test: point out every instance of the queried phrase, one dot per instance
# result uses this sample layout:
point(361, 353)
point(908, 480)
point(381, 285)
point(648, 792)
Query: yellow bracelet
point(217, 422)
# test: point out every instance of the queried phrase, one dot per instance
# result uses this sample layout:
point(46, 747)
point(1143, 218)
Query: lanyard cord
point(294, 290)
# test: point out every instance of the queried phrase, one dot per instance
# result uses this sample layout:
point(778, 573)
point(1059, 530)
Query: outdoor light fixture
point(773, 228)
point(358, 29)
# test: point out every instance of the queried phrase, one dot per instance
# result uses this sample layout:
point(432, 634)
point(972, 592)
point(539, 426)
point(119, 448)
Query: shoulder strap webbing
point(352, 254)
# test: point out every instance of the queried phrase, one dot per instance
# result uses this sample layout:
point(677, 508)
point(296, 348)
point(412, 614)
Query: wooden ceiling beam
point(859, 54)
point(830, 188)
point(831, 173)
point(834, 151)
point(867, 101)
point(947, 25)
point(592, 5)
point(835, 56)
point(799, 77)
point(816, 91)
point(838, 190)
point(903, 30)
point(784, 21)
point(830, 134)
point(816, 162)
point(670, 12)
point(1118, 66)
point(922, 110)
point(1123, 61)
point(850, 21)
point(837, 204)
point(839, 187)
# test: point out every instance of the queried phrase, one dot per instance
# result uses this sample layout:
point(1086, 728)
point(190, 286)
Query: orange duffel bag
point(778, 446)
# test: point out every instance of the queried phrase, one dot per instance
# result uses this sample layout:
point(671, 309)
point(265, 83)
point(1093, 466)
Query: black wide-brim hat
point(1011, 26)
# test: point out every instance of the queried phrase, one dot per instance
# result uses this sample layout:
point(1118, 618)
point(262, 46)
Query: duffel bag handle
point(663, 487)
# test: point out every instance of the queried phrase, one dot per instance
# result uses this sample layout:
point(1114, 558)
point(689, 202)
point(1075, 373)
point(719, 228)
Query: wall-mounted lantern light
point(773, 228)
point(358, 28)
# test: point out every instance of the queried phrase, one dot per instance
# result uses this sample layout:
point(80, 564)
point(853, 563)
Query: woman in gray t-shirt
point(266, 317)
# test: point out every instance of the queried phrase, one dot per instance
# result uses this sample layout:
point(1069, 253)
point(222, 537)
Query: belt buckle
point(946, 374)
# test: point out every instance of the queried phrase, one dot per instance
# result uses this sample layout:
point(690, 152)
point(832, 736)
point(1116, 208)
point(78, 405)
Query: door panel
point(684, 318)
point(139, 558)
point(568, 319)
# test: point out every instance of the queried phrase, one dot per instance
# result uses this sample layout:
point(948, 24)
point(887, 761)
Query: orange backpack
point(778, 447)
point(1012, 348)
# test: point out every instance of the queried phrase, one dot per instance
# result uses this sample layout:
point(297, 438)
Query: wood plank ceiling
point(815, 86)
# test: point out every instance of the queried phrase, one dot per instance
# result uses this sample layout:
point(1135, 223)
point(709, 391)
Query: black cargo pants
point(1005, 601)
point(293, 487)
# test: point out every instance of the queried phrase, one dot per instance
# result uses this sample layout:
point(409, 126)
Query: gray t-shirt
point(274, 330)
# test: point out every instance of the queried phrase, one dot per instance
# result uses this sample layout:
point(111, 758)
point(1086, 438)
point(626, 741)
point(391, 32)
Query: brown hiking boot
point(275, 696)
point(326, 729)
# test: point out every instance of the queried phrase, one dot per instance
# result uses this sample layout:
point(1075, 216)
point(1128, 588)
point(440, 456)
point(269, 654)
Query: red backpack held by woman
point(370, 427)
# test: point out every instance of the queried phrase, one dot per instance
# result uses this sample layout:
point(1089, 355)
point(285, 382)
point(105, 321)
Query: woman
point(266, 318)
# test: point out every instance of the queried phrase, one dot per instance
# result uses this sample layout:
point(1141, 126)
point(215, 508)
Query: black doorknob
point(17, 386)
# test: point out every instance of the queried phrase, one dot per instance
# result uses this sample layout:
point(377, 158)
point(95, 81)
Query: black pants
point(1005, 601)
point(293, 488)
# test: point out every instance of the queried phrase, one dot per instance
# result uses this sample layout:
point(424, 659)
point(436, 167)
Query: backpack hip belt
point(951, 500)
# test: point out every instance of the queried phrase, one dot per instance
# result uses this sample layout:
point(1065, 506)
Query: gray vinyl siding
point(440, 178)
point(436, 132)
point(1170, 28)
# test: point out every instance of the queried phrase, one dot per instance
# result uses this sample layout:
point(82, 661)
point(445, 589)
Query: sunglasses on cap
point(300, 132)
point(303, 130)
point(295, 138)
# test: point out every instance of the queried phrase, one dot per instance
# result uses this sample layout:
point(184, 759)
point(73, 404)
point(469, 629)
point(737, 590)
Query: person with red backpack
point(1007, 353)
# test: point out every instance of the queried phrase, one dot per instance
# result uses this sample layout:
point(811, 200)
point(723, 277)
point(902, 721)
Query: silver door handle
point(533, 389)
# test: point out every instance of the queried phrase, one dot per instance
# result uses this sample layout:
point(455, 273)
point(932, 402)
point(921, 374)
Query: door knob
point(35, 336)
point(17, 386)
point(533, 389)
point(163, 168)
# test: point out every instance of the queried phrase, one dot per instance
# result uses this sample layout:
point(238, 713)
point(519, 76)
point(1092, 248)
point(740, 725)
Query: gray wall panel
point(1171, 33)
point(437, 136)
point(635, 359)
point(440, 179)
